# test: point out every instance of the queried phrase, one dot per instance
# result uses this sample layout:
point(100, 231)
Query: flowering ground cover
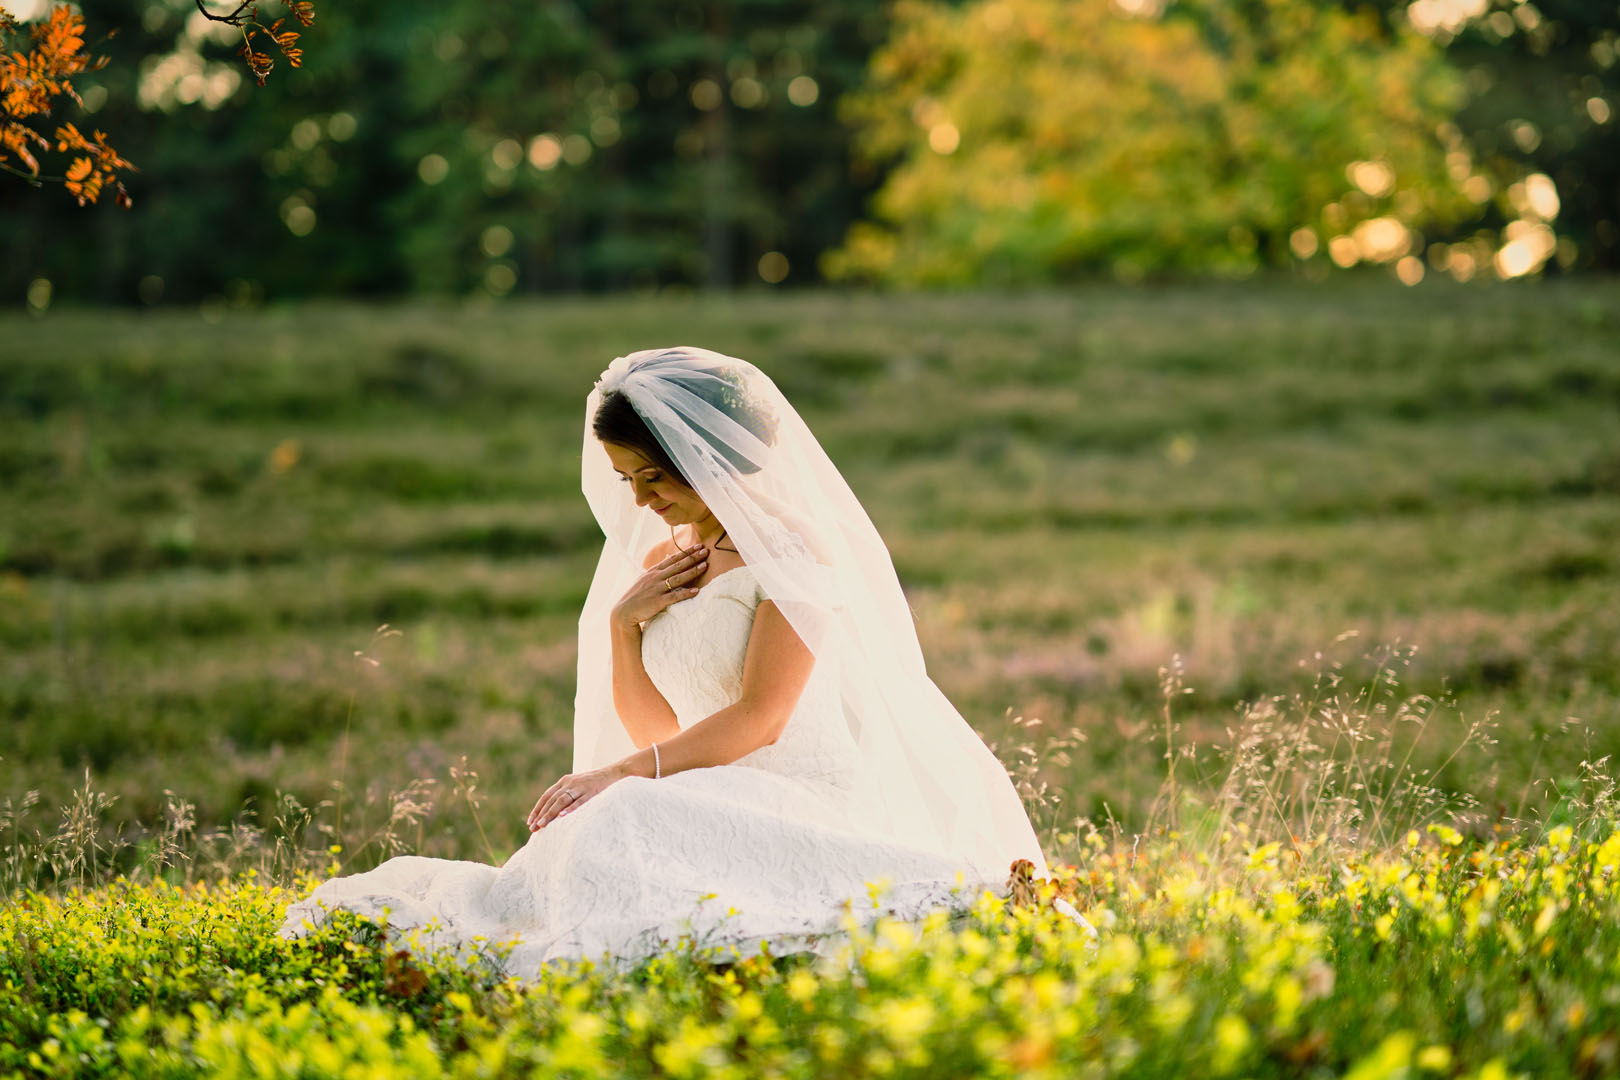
point(1445, 956)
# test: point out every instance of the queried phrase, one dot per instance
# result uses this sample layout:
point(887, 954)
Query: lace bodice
point(694, 650)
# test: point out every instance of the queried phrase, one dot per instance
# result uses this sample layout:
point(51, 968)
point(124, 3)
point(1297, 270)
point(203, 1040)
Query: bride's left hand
point(568, 794)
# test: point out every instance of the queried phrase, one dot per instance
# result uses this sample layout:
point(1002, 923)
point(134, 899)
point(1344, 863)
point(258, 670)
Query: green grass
point(201, 522)
point(1441, 958)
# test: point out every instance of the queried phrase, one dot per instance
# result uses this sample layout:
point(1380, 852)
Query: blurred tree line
point(468, 147)
point(462, 146)
point(1028, 140)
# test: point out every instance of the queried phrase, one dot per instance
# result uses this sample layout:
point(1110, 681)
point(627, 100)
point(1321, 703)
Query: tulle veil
point(927, 778)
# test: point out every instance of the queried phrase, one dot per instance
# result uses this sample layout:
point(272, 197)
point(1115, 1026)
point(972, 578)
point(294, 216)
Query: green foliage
point(1038, 139)
point(1483, 958)
point(462, 147)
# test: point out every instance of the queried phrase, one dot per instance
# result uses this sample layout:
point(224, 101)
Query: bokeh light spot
point(545, 151)
point(943, 138)
point(500, 278)
point(507, 154)
point(1443, 16)
point(39, 295)
point(576, 149)
point(748, 93)
point(298, 215)
point(1541, 196)
point(1525, 134)
point(433, 168)
point(1462, 264)
point(341, 126)
point(773, 267)
point(1303, 242)
point(1373, 177)
point(706, 94)
point(803, 91)
point(1381, 239)
point(496, 241)
point(1409, 270)
point(1529, 246)
point(306, 133)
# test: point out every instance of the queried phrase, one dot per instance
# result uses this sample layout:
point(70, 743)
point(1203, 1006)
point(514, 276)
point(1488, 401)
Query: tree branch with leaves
point(246, 19)
point(32, 78)
point(29, 82)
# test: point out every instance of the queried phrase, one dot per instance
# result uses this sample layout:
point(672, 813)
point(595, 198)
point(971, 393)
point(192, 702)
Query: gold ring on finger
point(668, 585)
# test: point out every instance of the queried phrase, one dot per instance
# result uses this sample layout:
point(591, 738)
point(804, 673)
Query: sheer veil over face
point(927, 778)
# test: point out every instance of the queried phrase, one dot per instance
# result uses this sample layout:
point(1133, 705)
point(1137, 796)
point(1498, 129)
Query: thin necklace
point(716, 545)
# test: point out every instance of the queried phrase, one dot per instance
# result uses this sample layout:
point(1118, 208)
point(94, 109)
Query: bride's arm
point(646, 716)
point(775, 670)
point(642, 710)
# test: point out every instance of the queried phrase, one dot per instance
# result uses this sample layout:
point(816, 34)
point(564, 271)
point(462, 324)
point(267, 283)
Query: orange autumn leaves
point(32, 78)
point(260, 62)
point(28, 83)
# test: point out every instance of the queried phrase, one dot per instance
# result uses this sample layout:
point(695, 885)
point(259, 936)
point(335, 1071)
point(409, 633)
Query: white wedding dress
point(767, 849)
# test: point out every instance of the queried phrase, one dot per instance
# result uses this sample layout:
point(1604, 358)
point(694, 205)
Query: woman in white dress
point(757, 746)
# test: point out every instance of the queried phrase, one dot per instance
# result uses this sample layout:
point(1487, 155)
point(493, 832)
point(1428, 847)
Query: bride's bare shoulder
point(658, 552)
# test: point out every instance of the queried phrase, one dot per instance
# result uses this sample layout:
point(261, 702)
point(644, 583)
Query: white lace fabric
point(693, 651)
point(764, 850)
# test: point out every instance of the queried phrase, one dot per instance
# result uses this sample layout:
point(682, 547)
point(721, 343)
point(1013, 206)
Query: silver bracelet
point(658, 768)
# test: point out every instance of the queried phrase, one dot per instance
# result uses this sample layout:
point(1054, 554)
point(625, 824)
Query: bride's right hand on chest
point(662, 584)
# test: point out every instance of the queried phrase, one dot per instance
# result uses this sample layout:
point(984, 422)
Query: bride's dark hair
point(617, 422)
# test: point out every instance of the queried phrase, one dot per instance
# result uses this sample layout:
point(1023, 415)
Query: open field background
point(203, 519)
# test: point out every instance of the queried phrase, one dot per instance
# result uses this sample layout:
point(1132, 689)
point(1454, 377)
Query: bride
point(757, 746)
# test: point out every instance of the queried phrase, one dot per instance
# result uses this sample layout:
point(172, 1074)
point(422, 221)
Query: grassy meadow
point(204, 519)
point(1294, 611)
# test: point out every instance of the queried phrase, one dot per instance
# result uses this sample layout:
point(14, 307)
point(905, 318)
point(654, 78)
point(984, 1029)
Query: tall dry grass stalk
point(1347, 764)
point(1326, 771)
point(362, 657)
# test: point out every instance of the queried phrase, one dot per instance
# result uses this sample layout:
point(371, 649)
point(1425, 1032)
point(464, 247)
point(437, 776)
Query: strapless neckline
point(712, 581)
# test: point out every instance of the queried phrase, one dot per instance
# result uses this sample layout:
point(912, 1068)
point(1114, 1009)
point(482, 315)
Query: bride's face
point(655, 488)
